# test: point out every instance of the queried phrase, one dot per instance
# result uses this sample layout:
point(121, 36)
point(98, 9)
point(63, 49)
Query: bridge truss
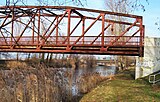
point(63, 29)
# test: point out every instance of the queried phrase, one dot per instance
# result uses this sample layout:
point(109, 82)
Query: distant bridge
point(107, 62)
point(62, 29)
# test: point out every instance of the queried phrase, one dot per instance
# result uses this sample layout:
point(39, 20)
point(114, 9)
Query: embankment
point(123, 88)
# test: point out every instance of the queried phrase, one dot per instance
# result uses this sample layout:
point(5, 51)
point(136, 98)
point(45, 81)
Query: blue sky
point(150, 16)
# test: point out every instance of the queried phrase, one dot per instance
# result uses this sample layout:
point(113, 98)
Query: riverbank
point(33, 81)
point(123, 88)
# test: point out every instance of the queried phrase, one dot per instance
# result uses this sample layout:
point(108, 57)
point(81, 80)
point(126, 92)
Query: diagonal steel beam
point(24, 29)
point(4, 21)
point(73, 30)
point(11, 20)
point(50, 12)
point(4, 37)
point(112, 42)
point(100, 34)
point(77, 13)
point(131, 37)
point(49, 27)
point(86, 30)
point(28, 26)
point(55, 25)
point(63, 43)
point(46, 37)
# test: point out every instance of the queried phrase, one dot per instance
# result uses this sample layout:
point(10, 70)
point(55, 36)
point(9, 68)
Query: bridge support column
point(139, 70)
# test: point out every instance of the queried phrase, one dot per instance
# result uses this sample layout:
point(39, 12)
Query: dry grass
point(15, 64)
point(31, 84)
point(89, 81)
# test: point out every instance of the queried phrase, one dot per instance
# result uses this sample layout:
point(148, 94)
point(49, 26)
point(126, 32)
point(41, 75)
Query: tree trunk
point(43, 55)
point(47, 58)
point(17, 57)
point(29, 55)
point(50, 59)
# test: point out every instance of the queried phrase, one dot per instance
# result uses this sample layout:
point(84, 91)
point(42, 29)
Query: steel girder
point(63, 29)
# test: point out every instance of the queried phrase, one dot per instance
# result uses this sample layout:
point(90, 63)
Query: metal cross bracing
point(63, 29)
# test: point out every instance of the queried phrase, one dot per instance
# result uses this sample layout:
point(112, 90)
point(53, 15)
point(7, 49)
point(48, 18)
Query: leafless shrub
point(88, 81)
point(32, 84)
point(15, 64)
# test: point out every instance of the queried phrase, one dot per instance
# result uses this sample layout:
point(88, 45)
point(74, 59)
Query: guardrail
point(88, 40)
point(152, 78)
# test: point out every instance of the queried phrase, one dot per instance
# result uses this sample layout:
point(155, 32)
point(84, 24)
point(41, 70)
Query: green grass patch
point(123, 88)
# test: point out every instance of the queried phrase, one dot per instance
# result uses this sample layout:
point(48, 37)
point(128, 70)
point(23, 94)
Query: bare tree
point(48, 2)
point(158, 23)
point(131, 5)
point(122, 6)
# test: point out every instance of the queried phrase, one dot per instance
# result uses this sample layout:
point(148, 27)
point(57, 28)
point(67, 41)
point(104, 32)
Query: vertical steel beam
point(92, 24)
point(141, 37)
point(124, 32)
point(69, 27)
point(75, 27)
point(11, 20)
point(33, 24)
point(83, 27)
point(12, 28)
point(39, 22)
point(102, 37)
point(50, 26)
point(54, 27)
point(43, 35)
point(46, 37)
point(130, 37)
point(86, 30)
point(80, 41)
point(99, 34)
point(24, 29)
point(4, 21)
point(57, 32)
point(143, 34)
point(4, 37)
point(73, 30)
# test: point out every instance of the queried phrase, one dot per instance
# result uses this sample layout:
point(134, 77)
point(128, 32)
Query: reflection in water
point(102, 70)
point(105, 70)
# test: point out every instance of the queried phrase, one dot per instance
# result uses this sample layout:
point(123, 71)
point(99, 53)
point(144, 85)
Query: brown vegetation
point(70, 61)
point(37, 79)
point(89, 81)
point(32, 84)
point(125, 61)
point(15, 64)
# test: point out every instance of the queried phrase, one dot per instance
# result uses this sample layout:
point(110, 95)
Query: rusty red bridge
point(63, 29)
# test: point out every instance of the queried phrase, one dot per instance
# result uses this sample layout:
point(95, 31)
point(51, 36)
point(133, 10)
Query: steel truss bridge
point(63, 29)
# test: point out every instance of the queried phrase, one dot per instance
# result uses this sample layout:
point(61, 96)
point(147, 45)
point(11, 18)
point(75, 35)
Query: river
point(77, 73)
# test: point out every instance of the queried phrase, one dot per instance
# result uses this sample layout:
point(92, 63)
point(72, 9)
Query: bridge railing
point(63, 40)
